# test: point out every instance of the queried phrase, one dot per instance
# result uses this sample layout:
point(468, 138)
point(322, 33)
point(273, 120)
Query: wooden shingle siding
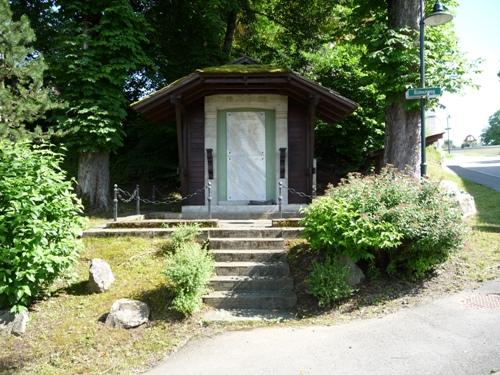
point(297, 151)
point(195, 171)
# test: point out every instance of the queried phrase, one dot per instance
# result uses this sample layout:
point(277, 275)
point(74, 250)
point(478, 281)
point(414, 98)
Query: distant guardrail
point(486, 149)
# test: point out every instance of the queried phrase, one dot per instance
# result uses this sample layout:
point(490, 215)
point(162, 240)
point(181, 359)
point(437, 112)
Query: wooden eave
point(159, 107)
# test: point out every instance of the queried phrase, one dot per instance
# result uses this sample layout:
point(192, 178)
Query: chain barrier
point(120, 195)
point(301, 194)
point(129, 198)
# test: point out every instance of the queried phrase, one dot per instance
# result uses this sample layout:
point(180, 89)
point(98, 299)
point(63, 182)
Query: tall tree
point(97, 46)
point(389, 30)
point(23, 97)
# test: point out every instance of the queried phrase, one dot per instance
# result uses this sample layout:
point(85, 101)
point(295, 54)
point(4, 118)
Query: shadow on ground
point(376, 291)
point(80, 288)
point(159, 300)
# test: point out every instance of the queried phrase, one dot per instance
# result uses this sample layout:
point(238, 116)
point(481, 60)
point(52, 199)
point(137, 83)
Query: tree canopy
point(23, 96)
point(101, 54)
point(491, 135)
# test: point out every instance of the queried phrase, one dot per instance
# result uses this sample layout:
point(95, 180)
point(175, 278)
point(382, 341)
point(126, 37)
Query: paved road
point(482, 170)
point(453, 335)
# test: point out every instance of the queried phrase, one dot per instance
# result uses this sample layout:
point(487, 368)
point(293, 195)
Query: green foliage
point(491, 135)
point(188, 270)
point(39, 222)
point(327, 281)
point(412, 225)
point(23, 98)
point(392, 51)
point(183, 234)
point(345, 145)
point(186, 35)
point(96, 47)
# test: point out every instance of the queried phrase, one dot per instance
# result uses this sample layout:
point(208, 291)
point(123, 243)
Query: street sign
point(426, 92)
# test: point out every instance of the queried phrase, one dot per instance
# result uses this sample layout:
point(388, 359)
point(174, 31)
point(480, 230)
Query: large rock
point(127, 313)
point(100, 276)
point(465, 200)
point(14, 323)
point(355, 275)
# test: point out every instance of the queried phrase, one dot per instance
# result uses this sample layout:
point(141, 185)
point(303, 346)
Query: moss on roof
point(244, 69)
point(223, 69)
point(170, 86)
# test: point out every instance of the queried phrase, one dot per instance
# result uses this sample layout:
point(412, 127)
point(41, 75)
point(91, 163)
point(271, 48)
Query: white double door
point(246, 156)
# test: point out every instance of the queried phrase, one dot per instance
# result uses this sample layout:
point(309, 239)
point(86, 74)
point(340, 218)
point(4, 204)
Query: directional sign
point(426, 92)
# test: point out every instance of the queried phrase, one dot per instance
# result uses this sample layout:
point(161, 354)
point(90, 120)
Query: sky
point(477, 25)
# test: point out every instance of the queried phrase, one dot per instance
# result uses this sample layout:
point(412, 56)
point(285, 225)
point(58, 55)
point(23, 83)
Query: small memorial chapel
point(246, 129)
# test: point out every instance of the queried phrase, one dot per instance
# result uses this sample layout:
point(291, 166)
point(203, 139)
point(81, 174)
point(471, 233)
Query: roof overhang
point(159, 107)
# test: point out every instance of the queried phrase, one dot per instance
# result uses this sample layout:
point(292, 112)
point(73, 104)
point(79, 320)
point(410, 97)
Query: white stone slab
point(215, 103)
point(246, 156)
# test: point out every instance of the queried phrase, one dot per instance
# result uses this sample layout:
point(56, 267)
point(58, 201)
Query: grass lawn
point(65, 336)
point(481, 256)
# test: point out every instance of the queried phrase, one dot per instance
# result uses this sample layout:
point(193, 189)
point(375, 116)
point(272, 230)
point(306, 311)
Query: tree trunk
point(402, 138)
point(402, 127)
point(229, 36)
point(93, 180)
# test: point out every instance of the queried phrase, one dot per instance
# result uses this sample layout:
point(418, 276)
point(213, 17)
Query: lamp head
point(439, 16)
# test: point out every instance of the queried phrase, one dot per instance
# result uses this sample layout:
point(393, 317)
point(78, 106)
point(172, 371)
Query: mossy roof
point(226, 77)
point(243, 69)
point(222, 69)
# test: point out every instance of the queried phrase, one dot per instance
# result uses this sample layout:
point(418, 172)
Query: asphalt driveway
point(455, 335)
point(481, 170)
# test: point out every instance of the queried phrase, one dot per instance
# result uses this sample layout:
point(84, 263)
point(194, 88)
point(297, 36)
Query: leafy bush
point(188, 271)
point(39, 222)
point(182, 234)
point(328, 281)
point(403, 226)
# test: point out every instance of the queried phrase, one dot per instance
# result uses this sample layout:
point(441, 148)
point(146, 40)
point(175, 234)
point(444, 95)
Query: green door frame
point(270, 124)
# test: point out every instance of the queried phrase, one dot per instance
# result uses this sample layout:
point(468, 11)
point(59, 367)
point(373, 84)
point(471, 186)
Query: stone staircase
point(251, 270)
point(252, 273)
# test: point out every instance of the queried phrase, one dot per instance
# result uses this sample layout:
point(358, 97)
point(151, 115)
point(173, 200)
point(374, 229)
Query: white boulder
point(15, 324)
point(100, 276)
point(465, 200)
point(127, 313)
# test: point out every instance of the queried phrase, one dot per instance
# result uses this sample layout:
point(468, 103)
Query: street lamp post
point(437, 17)
point(448, 130)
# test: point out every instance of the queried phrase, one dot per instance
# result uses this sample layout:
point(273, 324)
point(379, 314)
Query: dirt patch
point(382, 295)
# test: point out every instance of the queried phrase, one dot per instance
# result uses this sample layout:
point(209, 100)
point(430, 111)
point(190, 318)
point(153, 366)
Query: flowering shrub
point(412, 225)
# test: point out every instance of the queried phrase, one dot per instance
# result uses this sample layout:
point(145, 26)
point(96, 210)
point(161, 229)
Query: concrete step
point(160, 223)
point(275, 269)
point(231, 255)
point(250, 283)
point(218, 233)
point(127, 232)
point(251, 232)
point(251, 300)
point(246, 243)
point(248, 315)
